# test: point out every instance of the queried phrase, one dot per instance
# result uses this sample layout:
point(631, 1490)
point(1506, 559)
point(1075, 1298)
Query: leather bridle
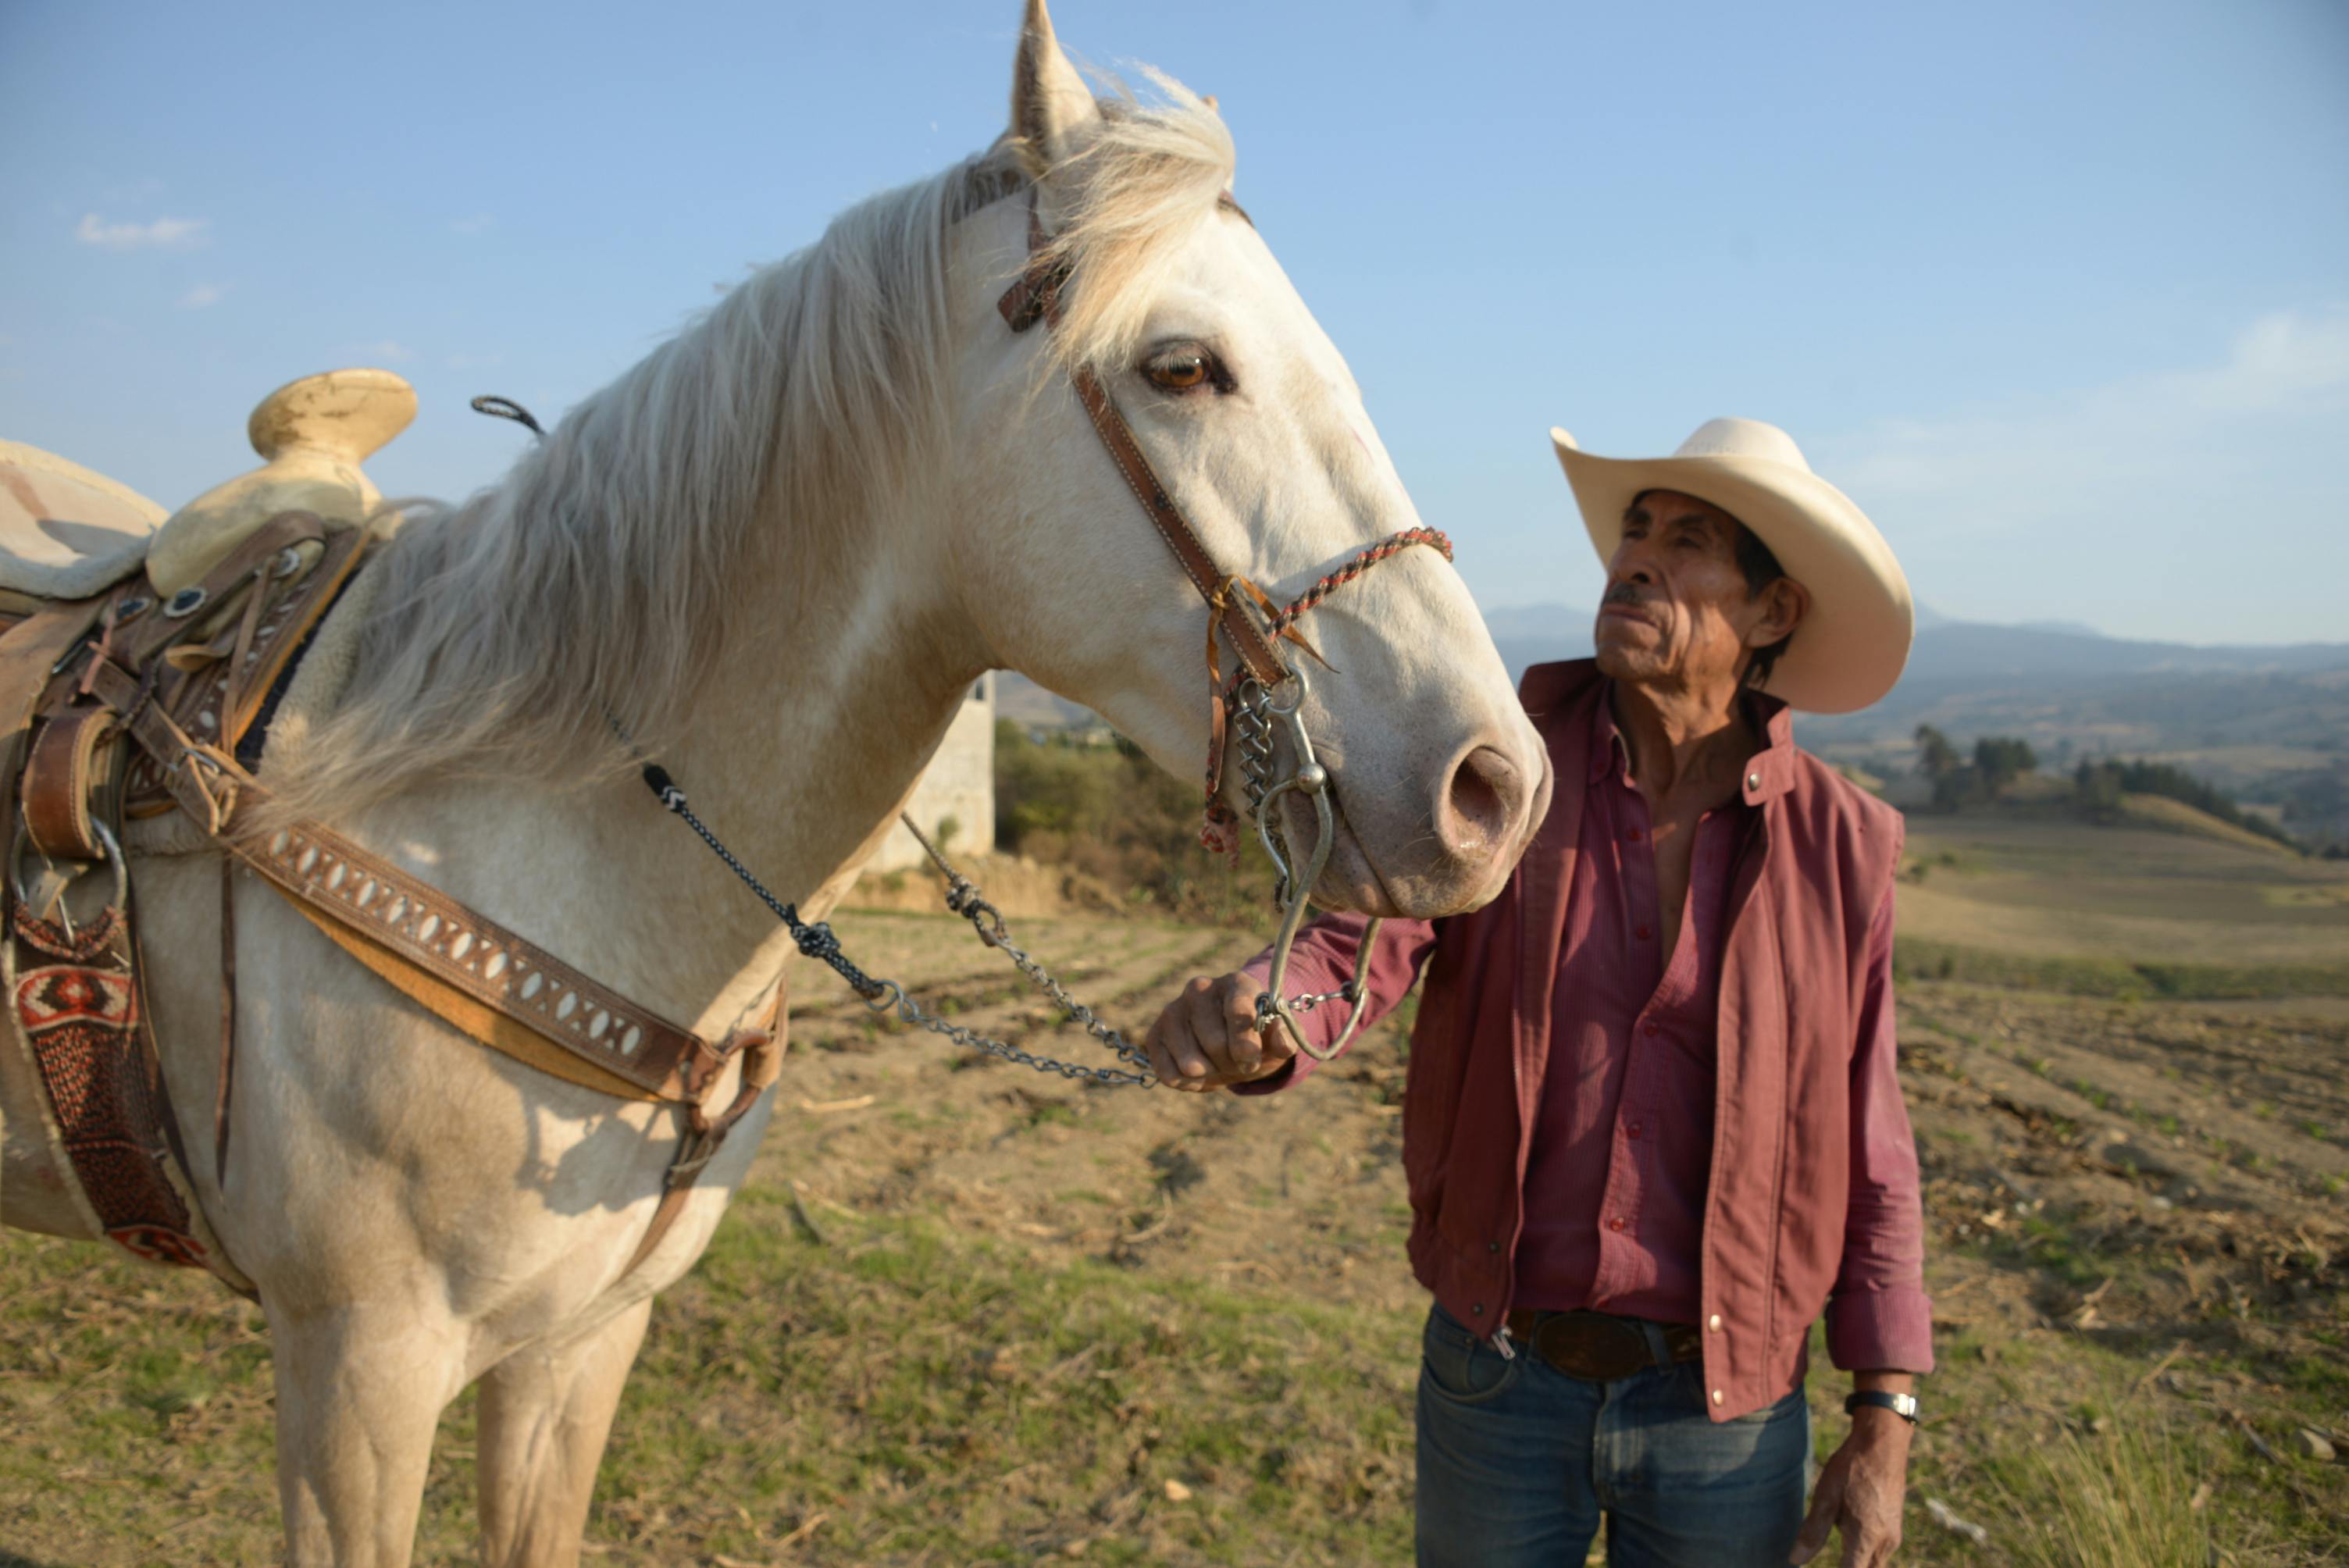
point(1263, 688)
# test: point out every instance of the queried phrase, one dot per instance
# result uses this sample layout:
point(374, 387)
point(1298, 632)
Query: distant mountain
point(1966, 651)
point(1961, 667)
point(1947, 650)
point(2263, 724)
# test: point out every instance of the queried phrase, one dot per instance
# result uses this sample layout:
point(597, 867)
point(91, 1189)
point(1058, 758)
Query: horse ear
point(1050, 102)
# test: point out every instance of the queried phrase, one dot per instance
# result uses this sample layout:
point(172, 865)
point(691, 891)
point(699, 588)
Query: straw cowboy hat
point(1853, 639)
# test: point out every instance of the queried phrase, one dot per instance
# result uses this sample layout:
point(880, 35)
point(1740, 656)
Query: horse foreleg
point(360, 1391)
point(545, 1411)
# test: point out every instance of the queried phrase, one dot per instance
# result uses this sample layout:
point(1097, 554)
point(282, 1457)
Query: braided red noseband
point(1035, 296)
point(1219, 829)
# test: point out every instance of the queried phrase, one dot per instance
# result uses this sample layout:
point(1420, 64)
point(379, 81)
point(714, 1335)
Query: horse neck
point(809, 731)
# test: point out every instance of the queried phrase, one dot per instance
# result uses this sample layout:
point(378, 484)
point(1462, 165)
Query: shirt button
point(1649, 1028)
point(1713, 1323)
point(1642, 932)
point(1633, 1130)
point(1478, 1311)
point(1616, 1223)
point(1494, 1247)
point(1633, 835)
point(1719, 1398)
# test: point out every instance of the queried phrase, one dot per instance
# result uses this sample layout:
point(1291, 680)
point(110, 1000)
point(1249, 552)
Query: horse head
point(1248, 416)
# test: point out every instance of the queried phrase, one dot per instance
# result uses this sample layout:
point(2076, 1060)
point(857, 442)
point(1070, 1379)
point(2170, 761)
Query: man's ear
point(1050, 101)
point(1784, 605)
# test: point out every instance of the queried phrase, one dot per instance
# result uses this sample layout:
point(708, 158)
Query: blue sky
point(2060, 294)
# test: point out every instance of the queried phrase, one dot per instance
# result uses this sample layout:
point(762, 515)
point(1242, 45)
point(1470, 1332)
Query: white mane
point(601, 577)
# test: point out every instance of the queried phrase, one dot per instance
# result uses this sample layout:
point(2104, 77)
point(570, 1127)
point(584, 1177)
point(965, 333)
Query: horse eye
point(1184, 369)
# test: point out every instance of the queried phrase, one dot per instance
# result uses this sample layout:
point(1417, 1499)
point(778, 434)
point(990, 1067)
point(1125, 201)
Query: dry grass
point(2125, 1501)
point(2069, 890)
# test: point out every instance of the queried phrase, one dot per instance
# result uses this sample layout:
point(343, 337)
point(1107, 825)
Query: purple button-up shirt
point(1623, 1145)
point(1616, 1178)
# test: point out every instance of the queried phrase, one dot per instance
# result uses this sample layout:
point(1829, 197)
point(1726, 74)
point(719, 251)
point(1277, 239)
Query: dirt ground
point(964, 1312)
point(2158, 1184)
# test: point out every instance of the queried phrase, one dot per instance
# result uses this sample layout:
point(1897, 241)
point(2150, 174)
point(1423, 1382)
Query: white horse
point(780, 551)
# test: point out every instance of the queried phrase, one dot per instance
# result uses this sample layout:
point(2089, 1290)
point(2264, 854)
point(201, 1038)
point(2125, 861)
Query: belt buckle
point(1596, 1347)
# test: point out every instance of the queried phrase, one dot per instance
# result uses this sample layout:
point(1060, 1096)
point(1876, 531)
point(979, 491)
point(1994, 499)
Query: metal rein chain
point(818, 941)
point(1253, 712)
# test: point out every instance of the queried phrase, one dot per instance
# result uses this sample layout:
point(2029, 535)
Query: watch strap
point(1901, 1404)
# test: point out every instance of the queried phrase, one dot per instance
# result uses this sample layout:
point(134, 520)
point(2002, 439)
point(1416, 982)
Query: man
point(1651, 1127)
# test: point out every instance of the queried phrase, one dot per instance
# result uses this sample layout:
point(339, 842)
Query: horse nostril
point(1482, 803)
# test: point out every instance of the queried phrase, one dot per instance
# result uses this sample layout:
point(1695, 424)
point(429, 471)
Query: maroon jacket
point(1794, 970)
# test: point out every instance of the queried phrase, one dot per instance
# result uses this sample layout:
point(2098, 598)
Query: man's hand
point(1207, 1036)
point(1861, 1491)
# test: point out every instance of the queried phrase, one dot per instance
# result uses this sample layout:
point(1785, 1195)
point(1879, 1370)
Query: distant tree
point(1935, 755)
point(2000, 760)
point(2097, 789)
point(1953, 788)
point(2317, 798)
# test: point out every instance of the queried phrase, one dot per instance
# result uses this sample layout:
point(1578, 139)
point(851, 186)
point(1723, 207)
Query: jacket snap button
point(1477, 1310)
point(1717, 1396)
point(1753, 780)
point(1713, 1323)
point(1492, 1246)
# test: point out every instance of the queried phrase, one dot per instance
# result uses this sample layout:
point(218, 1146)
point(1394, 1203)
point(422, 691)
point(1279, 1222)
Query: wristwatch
point(1901, 1404)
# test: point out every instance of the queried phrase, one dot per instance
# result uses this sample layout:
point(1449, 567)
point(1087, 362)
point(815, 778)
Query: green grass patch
point(1919, 958)
point(931, 1393)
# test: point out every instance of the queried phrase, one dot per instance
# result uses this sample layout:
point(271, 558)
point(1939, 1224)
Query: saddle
point(207, 607)
point(140, 661)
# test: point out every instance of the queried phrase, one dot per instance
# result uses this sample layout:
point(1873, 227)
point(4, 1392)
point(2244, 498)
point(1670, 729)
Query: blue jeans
point(1518, 1462)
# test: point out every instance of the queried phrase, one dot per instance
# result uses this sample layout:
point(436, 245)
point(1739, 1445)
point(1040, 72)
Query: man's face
point(1677, 612)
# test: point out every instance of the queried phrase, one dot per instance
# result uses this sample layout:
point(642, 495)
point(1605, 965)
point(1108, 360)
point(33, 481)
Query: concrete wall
point(959, 783)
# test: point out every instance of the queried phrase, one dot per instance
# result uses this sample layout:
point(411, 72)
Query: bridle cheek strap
point(1035, 296)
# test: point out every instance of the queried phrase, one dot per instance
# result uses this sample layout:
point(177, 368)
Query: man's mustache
point(1624, 593)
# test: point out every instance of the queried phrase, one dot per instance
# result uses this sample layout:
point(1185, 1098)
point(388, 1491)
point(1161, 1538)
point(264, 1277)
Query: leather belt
point(1600, 1347)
